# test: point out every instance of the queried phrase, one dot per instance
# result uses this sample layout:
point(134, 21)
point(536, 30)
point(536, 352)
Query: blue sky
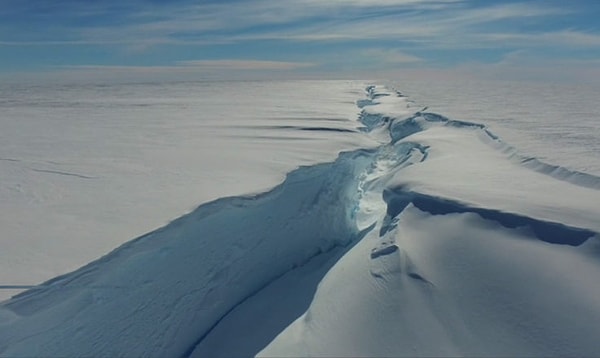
point(184, 39)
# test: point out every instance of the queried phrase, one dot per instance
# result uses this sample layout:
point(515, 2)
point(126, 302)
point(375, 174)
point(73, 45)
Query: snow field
point(436, 239)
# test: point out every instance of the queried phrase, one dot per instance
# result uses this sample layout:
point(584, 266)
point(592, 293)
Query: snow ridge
point(468, 255)
point(551, 232)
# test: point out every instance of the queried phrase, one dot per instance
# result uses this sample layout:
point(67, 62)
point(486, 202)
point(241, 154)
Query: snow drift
point(442, 241)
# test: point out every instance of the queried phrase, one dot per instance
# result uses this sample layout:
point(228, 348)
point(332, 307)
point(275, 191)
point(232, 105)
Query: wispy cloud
point(527, 65)
point(445, 24)
point(434, 22)
point(244, 65)
point(390, 56)
point(437, 27)
point(292, 35)
point(201, 65)
point(568, 38)
point(259, 20)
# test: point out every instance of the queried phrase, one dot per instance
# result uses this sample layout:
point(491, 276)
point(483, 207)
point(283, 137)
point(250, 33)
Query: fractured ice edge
point(422, 246)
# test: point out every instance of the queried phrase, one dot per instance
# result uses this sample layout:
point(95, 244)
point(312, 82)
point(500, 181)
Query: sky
point(228, 39)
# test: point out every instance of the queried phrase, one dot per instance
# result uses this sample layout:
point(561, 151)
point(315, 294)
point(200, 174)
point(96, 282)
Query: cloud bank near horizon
point(300, 38)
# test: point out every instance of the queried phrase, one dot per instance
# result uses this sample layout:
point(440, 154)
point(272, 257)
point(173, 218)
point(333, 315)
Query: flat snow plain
point(425, 236)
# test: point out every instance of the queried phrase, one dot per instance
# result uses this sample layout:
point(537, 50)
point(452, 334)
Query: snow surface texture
point(440, 241)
